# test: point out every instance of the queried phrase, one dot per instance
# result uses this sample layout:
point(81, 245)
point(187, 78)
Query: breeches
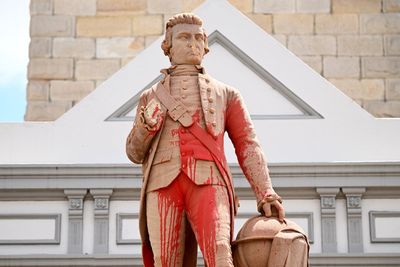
point(205, 208)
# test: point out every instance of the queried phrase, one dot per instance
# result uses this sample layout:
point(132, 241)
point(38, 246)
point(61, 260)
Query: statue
point(187, 194)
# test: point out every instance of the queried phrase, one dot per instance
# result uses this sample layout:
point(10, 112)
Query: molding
point(57, 229)
point(310, 222)
point(120, 240)
point(217, 37)
point(316, 260)
point(381, 214)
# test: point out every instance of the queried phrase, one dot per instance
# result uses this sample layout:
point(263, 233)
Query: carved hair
point(183, 18)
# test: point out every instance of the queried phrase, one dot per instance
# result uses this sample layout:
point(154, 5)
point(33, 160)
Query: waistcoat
point(179, 150)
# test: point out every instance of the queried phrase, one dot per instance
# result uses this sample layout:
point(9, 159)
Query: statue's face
point(187, 44)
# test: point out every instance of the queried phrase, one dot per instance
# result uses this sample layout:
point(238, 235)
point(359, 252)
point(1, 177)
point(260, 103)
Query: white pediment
point(299, 116)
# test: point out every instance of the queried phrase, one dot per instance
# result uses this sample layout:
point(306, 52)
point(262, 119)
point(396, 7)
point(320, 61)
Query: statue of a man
point(187, 192)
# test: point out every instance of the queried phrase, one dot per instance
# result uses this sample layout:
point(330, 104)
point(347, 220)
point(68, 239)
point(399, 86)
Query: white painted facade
point(335, 165)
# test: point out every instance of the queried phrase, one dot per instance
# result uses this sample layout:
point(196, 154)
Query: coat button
point(207, 80)
point(184, 88)
point(208, 89)
point(212, 110)
point(210, 99)
point(183, 96)
point(214, 124)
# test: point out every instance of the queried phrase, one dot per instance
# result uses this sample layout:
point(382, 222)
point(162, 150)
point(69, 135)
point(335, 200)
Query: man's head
point(185, 41)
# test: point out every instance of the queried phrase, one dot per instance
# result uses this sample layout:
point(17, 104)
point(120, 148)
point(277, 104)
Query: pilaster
point(354, 219)
point(75, 219)
point(101, 219)
point(328, 218)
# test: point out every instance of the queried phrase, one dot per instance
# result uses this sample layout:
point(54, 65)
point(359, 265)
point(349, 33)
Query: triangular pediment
point(267, 98)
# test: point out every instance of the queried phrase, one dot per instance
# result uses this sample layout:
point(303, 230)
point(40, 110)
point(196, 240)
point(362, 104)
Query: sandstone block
point(360, 45)
point(119, 47)
point(315, 62)
point(43, 68)
point(313, 6)
point(189, 5)
point(245, 6)
point(40, 47)
point(393, 89)
point(103, 26)
point(97, 69)
point(46, 111)
point(391, 5)
point(162, 7)
point(46, 26)
point(336, 24)
point(367, 89)
point(148, 40)
point(341, 67)
point(392, 45)
point(281, 38)
point(380, 23)
point(147, 25)
point(70, 90)
point(275, 6)
point(356, 6)
point(73, 47)
point(293, 23)
point(75, 7)
point(383, 109)
point(262, 20)
point(312, 45)
point(381, 67)
point(116, 7)
point(41, 7)
point(38, 90)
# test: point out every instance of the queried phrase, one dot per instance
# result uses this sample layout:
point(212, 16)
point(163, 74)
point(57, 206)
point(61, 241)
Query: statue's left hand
point(273, 201)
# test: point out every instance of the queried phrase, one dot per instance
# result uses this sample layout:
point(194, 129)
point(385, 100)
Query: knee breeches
point(205, 208)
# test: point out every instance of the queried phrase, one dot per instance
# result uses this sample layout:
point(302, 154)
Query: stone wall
point(77, 44)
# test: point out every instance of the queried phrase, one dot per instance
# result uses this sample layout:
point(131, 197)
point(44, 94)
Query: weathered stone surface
point(281, 38)
point(391, 5)
point(75, 7)
point(47, 26)
point(46, 111)
point(392, 45)
point(73, 47)
point(41, 7)
point(243, 5)
point(275, 6)
point(341, 67)
point(103, 26)
point(147, 25)
point(393, 89)
point(148, 40)
point(119, 47)
point(293, 23)
point(98, 69)
point(126, 60)
point(43, 68)
point(162, 7)
point(38, 90)
point(262, 20)
point(40, 47)
point(311, 45)
point(380, 23)
point(360, 45)
point(356, 6)
point(313, 6)
point(116, 7)
point(336, 24)
point(189, 5)
point(367, 89)
point(383, 109)
point(381, 67)
point(70, 90)
point(315, 62)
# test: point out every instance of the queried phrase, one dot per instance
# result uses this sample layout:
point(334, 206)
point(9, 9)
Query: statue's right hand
point(152, 115)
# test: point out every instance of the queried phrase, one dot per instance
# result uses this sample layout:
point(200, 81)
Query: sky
point(14, 46)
